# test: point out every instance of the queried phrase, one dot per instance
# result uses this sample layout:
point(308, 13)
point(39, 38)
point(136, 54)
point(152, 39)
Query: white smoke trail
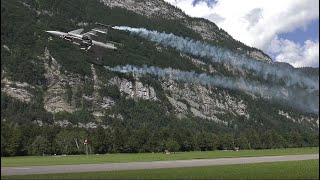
point(296, 98)
point(215, 54)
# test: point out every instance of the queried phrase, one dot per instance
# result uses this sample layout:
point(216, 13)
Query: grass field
point(308, 169)
point(110, 158)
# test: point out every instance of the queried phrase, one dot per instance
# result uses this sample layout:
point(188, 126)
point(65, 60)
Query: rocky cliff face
point(313, 122)
point(134, 89)
point(55, 98)
point(147, 8)
point(61, 85)
point(17, 90)
point(203, 102)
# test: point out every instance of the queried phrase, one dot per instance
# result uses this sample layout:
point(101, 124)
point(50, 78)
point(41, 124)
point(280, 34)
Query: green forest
point(31, 139)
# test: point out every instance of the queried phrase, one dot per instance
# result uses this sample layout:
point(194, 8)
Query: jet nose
point(55, 33)
point(50, 32)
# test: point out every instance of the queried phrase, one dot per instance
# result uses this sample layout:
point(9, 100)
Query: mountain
point(49, 83)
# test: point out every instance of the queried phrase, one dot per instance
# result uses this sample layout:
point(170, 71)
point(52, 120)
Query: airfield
point(286, 163)
point(27, 170)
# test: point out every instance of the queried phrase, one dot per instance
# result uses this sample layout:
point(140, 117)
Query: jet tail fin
point(105, 25)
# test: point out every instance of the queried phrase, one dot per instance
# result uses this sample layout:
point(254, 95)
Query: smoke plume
point(267, 71)
point(294, 97)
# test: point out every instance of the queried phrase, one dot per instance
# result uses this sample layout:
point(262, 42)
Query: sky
point(287, 30)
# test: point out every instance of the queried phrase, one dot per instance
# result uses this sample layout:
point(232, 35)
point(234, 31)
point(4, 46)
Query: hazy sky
point(287, 30)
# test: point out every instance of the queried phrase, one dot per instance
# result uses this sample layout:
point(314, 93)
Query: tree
point(278, 141)
point(30, 132)
point(119, 138)
point(204, 141)
point(155, 142)
point(311, 139)
point(254, 139)
point(186, 146)
point(3, 146)
point(141, 140)
point(40, 146)
point(78, 137)
point(214, 142)
point(172, 145)
point(242, 142)
point(13, 143)
point(227, 142)
point(267, 140)
point(71, 142)
point(100, 142)
point(63, 141)
point(186, 140)
point(297, 139)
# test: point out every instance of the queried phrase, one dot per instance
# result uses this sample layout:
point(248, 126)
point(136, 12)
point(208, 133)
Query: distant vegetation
point(31, 139)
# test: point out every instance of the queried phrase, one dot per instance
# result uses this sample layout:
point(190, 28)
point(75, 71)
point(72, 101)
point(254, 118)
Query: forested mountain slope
point(53, 92)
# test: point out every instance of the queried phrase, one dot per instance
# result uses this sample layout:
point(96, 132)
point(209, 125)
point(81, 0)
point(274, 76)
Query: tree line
point(32, 139)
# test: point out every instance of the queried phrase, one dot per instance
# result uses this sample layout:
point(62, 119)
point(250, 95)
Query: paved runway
point(7, 171)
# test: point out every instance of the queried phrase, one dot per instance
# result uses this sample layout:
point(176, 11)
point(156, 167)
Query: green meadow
point(308, 169)
point(139, 157)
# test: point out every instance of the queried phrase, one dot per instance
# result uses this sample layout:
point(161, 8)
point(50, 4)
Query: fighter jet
point(84, 40)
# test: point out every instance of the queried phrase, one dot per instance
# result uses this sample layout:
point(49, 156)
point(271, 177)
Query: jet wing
point(90, 33)
point(97, 34)
point(101, 36)
point(77, 31)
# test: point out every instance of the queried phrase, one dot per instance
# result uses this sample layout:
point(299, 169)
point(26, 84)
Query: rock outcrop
point(134, 89)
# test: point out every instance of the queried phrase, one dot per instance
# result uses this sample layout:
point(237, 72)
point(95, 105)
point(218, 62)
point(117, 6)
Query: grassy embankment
point(308, 169)
point(110, 158)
